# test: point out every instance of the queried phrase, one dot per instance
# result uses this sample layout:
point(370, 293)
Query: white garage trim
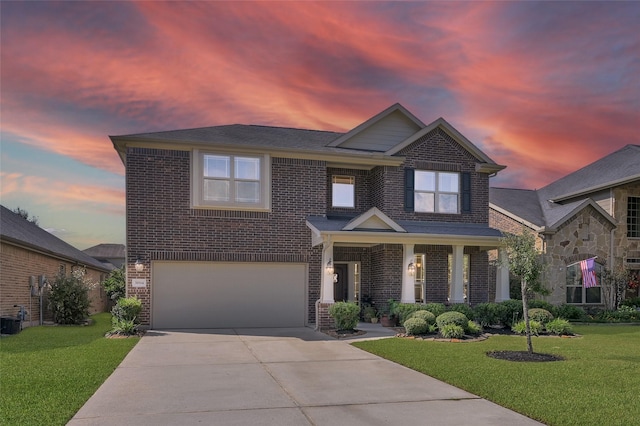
point(228, 294)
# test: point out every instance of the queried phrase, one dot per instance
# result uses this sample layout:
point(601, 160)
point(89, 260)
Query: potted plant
point(388, 317)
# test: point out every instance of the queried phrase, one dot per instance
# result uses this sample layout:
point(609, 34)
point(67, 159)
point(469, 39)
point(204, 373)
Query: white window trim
point(352, 182)
point(436, 192)
point(197, 183)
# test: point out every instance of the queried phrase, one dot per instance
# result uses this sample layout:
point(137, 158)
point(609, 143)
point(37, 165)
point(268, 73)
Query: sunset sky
point(542, 87)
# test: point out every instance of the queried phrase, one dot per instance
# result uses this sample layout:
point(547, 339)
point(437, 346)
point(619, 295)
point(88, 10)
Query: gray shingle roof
point(614, 169)
point(106, 251)
point(246, 135)
point(524, 203)
point(16, 229)
point(414, 227)
point(570, 193)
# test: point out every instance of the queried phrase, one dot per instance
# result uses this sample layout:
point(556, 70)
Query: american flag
point(588, 273)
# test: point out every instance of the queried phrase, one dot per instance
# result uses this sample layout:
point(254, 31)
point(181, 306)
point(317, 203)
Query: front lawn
point(596, 384)
point(48, 373)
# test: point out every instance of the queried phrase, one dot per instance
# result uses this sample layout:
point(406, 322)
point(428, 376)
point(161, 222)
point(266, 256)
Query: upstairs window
point(436, 192)
point(633, 217)
point(231, 181)
point(343, 191)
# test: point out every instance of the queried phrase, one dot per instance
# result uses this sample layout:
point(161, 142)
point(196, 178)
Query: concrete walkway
point(293, 376)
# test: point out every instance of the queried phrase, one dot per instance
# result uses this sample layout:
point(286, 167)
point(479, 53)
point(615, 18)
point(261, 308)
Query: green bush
point(345, 314)
point(463, 308)
point(544, 305)
point(403, 310)
point(452, 317)
point(368, 312)
point(473, 328)
point(487, 314)
point(634, 302)
point(435, 308)
point(69, 299)
point(541, 315)
point(452, 331)
point(570, 312)
point(127, 309)
point(123, 327)
point(425, 315)
point(510, 312)
point(559, 326)
point(115, 284)
point(626, 313)
point(521, 328)
point(415, 326)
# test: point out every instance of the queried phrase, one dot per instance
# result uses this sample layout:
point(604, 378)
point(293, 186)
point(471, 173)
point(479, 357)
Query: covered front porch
point(371, 259)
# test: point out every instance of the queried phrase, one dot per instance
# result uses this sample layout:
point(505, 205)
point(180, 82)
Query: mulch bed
point(524, 356)
point(341, 334)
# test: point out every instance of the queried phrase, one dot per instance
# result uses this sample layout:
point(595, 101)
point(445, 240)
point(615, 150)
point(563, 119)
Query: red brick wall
point(162, 226)
point(18, 264)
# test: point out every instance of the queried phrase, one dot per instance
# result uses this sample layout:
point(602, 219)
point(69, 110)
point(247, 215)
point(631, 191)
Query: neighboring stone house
point(112, 256)
point(254, 226)
point(27, 253)
point(593, 212)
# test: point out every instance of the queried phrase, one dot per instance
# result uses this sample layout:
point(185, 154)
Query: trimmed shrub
point(510, 312)
point(543, 305)
point(435, 308)
point(487, 313)
point(452, 317)
point(541, 315)
point(452, 331)
point(521, 328)
point(125, 313)
point(69, 299)
point(473, 328)
point(415, 326)
point(463, 308)
point(115, 284)
point(403, 310)
point(559, 326)
point(345, 314)
point(570, 312)
point(425, 315)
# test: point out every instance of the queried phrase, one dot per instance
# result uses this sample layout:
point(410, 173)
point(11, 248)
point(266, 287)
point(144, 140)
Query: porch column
point(408, 280)
point(457, 276)
point(502, 278)
point(326, 292)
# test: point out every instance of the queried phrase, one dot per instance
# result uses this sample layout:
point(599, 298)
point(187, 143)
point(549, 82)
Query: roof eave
point(589, 190)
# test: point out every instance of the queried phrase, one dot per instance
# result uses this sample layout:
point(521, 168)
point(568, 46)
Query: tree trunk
point(525, 313)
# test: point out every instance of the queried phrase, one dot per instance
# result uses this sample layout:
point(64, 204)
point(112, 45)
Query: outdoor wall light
point(411, 268)
point(139, 265)
point(329, 267)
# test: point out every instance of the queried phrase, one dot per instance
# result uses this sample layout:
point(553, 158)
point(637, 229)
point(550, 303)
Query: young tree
point(613, 283)
point(523, 261)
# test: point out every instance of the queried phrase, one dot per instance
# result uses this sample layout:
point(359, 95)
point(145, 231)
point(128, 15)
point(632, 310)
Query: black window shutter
point(408, 189)
point(466, 192)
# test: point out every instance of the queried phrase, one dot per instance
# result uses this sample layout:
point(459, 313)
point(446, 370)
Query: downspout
point(611, 245)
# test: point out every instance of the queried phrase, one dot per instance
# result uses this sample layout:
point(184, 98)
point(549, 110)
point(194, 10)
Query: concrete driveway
point(279, 377)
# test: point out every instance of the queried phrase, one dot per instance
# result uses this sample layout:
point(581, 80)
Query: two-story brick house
point(253, 226)
point(592, 212)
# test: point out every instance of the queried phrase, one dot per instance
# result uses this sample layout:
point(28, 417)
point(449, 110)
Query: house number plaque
point(138, 282)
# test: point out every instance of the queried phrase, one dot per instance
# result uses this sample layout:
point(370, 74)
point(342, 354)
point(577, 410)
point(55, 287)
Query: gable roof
point(617, 168)
point(15, 229)
point(549, 207)
point(373, 219)
point(106, 251)
point(374, 142)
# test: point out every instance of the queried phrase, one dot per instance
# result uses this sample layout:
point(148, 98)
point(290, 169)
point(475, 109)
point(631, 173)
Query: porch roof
point(325, 229)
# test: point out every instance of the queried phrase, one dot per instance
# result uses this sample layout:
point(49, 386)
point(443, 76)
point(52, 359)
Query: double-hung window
point(230, 181)
point(436, 192)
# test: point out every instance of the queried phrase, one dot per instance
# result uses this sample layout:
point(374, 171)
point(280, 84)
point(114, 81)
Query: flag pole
point(575, 263)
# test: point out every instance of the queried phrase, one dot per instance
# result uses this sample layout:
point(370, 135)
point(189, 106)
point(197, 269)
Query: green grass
point(48, 373)
point(598, 383)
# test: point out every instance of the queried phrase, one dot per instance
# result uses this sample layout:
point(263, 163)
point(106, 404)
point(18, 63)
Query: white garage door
point(228, 295)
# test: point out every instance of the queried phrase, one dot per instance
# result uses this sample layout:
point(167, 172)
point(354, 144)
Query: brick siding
point(18, 264)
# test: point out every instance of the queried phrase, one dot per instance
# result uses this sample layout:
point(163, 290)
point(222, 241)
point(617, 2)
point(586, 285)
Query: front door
point(341, 285)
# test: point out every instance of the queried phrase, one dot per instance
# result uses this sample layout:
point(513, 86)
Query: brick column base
point(323, 320)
